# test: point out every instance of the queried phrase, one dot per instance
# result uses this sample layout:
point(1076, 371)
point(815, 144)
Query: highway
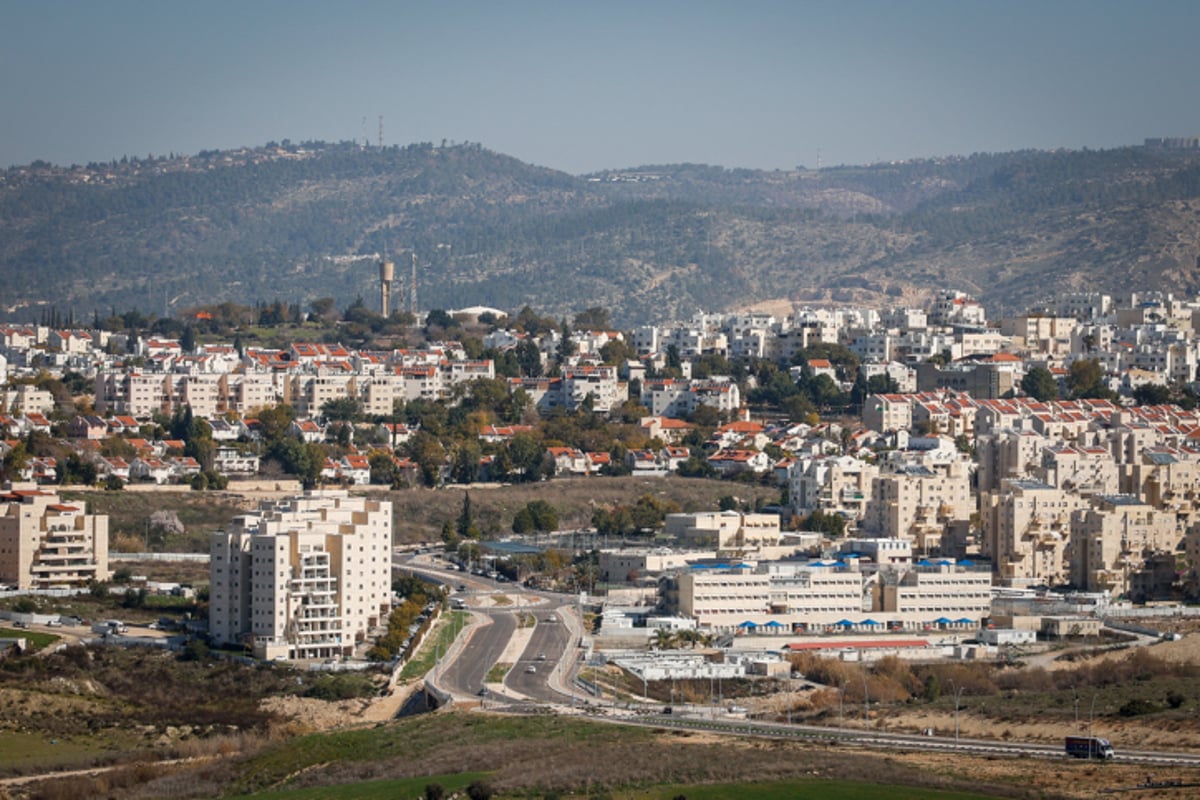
point(551, 652)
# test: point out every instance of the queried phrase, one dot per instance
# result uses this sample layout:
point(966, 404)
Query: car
point(552, 618)
point(54, 623)
point(483, 692)
point(462, 587)
point(531, 668)
point(541, 656)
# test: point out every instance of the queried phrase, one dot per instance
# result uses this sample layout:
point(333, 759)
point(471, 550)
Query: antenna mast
point(412, 287)
point(381, 131)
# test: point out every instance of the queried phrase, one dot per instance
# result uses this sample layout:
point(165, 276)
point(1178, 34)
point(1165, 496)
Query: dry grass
point(420, 512)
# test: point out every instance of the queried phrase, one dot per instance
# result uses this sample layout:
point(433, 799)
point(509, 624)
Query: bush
point(478, 790)
point(194, 650)
point(341, 687)
point(24, 605)
point(1137, 707)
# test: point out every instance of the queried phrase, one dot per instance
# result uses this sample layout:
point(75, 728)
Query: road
point(544, 655)
point(465, 668)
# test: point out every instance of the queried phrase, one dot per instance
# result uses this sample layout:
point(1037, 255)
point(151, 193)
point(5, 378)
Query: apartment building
point(923, 593)
point(724, 600)
point(1114, 538)
point(47, 543)
point(725, 530)
point(784, 597)
point(303, 578)
point(1027, 530)
point(917, 503)
point(833, 485)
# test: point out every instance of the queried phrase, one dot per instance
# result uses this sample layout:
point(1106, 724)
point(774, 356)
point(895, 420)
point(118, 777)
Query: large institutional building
point(303, 578)
point(46, 543)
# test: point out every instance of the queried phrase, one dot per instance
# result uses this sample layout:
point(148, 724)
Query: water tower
point(387, 274)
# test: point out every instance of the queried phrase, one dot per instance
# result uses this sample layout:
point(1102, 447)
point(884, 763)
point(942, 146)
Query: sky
point(583, 86)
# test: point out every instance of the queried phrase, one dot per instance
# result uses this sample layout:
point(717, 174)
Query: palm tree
point(664, 639)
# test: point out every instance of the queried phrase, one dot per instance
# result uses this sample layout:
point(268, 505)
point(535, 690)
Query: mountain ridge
point(650, 243)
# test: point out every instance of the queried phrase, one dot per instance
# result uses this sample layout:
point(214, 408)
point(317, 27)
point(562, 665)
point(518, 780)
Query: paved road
point(547, 646)
point(466, 671)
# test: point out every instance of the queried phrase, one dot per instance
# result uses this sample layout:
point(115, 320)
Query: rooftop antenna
point(412, 287)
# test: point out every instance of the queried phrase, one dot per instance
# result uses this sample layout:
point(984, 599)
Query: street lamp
point(866, 702)
point(1091, 713)
point(958, 690)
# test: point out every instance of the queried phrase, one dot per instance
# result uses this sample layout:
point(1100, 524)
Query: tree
point(525, 456)
point(1084, 377)
point(429, 455)
point(664, 639)
point(15, 462)
point(466, 462)
point(188, 341)
point(595, 318)
point(1039, 383)
point(342, 409)
point(831, 524)
point(323, 308)
point(1152, 394)
point(465, 527)
point(566, 343)
point(529, 358)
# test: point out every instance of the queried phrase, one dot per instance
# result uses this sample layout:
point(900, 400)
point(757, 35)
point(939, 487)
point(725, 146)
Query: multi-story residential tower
point(46, 543)
point(302, 578)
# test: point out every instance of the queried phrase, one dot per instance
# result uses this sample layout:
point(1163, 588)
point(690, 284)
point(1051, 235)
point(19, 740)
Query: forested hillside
point(650, 242)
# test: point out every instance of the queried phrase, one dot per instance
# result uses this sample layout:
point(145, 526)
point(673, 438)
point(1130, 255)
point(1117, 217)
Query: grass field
point(21, 752)
point(784, 790)
point(448, 628)
point(378, 790)
point(36, 640)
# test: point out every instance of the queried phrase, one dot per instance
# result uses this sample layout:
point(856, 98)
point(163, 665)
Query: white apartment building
point(598, 382)
point(303, 578)
point(922, 595)
point(47, 543)
point(786, 597)
point(725, 530)
point(833, 484)
point(722, 601)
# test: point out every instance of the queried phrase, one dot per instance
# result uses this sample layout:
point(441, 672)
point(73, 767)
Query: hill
point(652, 242)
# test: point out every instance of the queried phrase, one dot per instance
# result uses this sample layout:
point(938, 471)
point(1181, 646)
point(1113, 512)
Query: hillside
point(650, 242)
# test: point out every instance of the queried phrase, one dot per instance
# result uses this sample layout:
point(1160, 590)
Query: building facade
point(303, 578)
point(46, 543)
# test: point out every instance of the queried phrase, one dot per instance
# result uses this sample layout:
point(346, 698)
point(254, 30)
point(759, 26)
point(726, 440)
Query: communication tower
point(412, 287)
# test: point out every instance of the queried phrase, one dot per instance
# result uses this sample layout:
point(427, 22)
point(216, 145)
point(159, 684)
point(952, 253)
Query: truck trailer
point(1089, 747)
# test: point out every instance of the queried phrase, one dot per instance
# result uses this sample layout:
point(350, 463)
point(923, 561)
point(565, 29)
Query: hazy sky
point(583, 86)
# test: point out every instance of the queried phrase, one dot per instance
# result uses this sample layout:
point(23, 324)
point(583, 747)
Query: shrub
point(478, 790)
point(341, 687)
point(1137, 707)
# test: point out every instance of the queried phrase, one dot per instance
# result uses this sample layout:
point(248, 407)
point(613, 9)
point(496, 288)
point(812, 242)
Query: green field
point(36, 640)
point(29, 751)
point(447, 630)
point(784, 790)
point(378, 790)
